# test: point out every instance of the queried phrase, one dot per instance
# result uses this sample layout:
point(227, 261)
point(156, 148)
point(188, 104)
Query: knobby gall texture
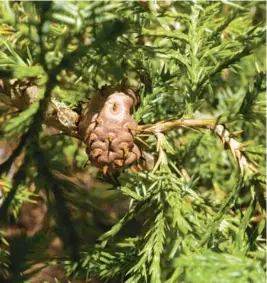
point(108, 129)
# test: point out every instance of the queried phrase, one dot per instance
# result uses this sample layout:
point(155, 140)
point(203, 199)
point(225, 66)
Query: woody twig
point(220, 130)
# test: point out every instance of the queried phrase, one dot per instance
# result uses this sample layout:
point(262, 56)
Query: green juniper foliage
point(198, 71)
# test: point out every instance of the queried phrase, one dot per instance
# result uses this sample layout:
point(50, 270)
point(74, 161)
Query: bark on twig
point(19, 95)
point(220, 130)
point(235, 146)
point(164, 126)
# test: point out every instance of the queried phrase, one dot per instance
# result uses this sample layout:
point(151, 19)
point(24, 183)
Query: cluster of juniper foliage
point(194, 211)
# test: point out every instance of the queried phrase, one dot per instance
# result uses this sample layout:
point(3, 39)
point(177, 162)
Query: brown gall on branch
point(108, 129)
point(220, 130)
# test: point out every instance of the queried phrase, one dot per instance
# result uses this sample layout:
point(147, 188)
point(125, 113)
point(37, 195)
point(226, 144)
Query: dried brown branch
point(19, 95)
point(220, 130)
point(164, 126)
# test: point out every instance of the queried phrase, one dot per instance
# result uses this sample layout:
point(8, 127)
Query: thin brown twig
point(164, 126)
point(220, 130)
